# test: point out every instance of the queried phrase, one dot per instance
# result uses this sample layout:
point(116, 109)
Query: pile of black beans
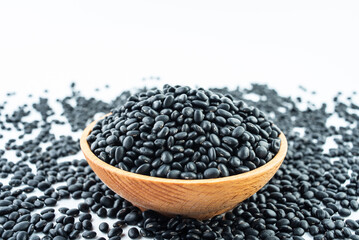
point(179, 132)
point(314, 193)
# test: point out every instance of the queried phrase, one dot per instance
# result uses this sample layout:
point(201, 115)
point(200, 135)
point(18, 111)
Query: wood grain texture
point(199, 199)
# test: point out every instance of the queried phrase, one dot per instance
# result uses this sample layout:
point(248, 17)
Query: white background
point(48, 44)
point(313, 43)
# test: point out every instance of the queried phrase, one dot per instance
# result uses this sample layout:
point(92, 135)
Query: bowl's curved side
point(192, 198)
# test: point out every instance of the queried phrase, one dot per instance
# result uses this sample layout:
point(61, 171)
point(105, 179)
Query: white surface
point(107, 93)
point(48, 44)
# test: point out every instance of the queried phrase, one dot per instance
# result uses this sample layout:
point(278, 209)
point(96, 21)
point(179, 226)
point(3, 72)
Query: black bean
point(222, 153)
point(115, 238)
point(328, 224)
point(86, 224)
point(221, 121)
point(261, 152)
point(59, 238)
point(166, 157)
point(102, 212)
point(119, 153)
point(163, 170)
point(163, 132)
point(50, 202)
point(174, 174)
point(131, 217)
point(22, 235)
point(345, 212)
point(180, 135)
point(198, 116)
point(188, 175)
point(190, 166)
point(74, 234)
point(230, 141)
point(212, 155)
point(7, 234)
point(243, 153)
point(8, 225)
point(269, 213)
point(104, 227)
point(85, 216)
point(200, 104)
point(48, 216)
point(201, 95)
point(206, 125)
point(21, 226)
point(68, 219)
point(223, 170)
point(313, 220)
point(199, 140)
point(275, 145)
point(320, 214)
point(68, 227)
point(144, 169)
point(63, 210)
point(252, 128)
point(107, 201)
point(83, 207)
point(346, 232)
point(34, 237)
point(74, 187)
point(234, 162)
point(209, 235)
point(111, 140)
point(224, 113)
point(73, 212)
point(133, 233)
point(238, 131)
point(163, 118)
point(215, 140)
point(211, 173)
point(177, 148)
point(188, 112)
point(5, 203)
point(352, 224)
point(78, 226)
point(5, 210)
point(43, 185)
point(128, 142)
point(321, 194)
point(89, 234)
point(116, 231)
point(169, 100)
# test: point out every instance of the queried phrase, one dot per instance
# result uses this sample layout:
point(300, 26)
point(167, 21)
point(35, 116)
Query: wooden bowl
point(199, 199)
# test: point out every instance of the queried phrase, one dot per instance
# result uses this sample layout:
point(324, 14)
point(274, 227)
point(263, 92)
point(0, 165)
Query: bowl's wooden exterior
point(199, 199)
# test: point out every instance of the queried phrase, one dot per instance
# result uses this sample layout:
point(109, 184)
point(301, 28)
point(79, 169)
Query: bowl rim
point(90, 156)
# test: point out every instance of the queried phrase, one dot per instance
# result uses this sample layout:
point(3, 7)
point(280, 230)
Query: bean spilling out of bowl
point(184, 133)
